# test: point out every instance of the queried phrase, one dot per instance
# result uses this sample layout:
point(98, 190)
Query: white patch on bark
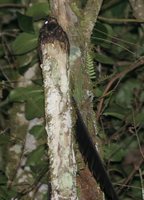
point(59, 122)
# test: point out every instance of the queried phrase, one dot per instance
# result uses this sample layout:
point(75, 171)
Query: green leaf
point(114, 153)
point(98, 92)
point(25, 93)
point(136, 193)
point(116, 111)
point(114, 114)
point(99, 33)
point(117, 9)
point(3, 178)
point(6, 193)
point(34, 107)
point(34, 98)
point(38, 10)
point(42, 166)
point(46, 196)
point(24, 60)
point(138, 118)
point(24, 43)
point(103, 59)
point(25, 23)
point(35, 157)
point(38, 131)
point(124, 96)
point(4, 139)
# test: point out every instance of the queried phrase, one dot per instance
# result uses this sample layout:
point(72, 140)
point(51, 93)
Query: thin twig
point(120, 21)
point(142, 184)
point(36, 182)
point(12, 5)
point(118, 76)
point(11, 181)
point(136, 133)
point(131, 175)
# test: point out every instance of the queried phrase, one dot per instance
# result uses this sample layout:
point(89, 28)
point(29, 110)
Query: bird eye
point(46, 22)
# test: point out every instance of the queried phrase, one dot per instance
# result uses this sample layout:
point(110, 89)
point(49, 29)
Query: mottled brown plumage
point(50, 32)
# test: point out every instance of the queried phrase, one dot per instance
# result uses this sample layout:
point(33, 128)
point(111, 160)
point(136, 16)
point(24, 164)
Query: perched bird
point(52, 32)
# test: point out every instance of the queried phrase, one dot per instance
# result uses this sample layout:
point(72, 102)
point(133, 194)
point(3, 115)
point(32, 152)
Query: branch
point(62, 11)
point(120, 75)
point(120, 21)
point(91, 12)
point(12, 5)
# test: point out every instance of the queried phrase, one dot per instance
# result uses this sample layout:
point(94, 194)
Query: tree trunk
point(58, 110)
point(77, 24)
point(137, 6)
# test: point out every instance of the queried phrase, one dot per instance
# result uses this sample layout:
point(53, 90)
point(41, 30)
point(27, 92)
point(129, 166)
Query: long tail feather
point(92, 157)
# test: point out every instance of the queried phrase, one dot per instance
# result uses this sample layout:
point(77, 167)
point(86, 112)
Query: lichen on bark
point(78, 27)
point(58, 120)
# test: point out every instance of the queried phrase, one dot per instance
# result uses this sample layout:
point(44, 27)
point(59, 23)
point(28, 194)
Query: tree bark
point(58, 114)
point(78, 24)
point(137, 6)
